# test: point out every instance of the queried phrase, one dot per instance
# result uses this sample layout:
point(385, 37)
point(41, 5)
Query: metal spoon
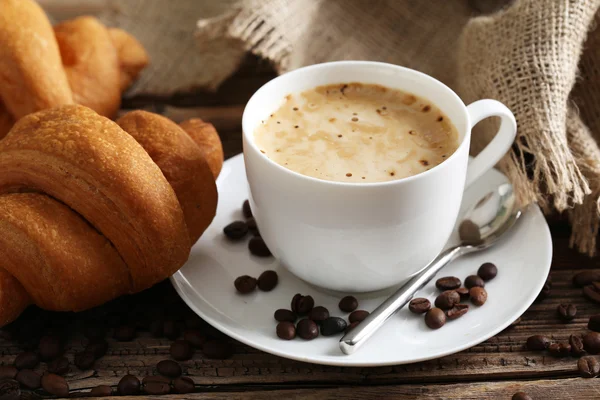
point(481, 227)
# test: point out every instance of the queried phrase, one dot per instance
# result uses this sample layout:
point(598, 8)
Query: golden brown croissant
point(132, 56)
point(206, 137)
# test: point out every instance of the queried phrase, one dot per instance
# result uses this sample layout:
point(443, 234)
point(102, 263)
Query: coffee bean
point(521, 396)
point(566, 312)
point(194, 337)
point(358, 315)
point(9, 389)
point(538, 343)
point(447, 299)
point(129, 385)
point(591, 342)
point(84, 360)
point(236, 230)
point(101, 391)
point(419, 305)
point(592, 292)
point(478, 295)
point(435, 318)
point(59, 366)
point(217, 349)
point(169, 368)
point(487, 271)
point(318, 314)
point(245, 284)
point(98, 348)
point(27, 360)
point(156, 328)
point(332, 326)
point(576, 345)
point(124, 333)
point(457, 311)
point(546, 289)
point(181, 350)
point(588, 367)
point(463, 292)
point(559, 349)
point(246, 209)
point(252, 227)
point(258, 247)
point(294, 303)
point(348, 304)
point(29, 379)
point(155, 378)
point(448, 283)
point(473, 281)
point(286, 330)
point(156, 388)
point(351, 326)
point(184, 385)
point(307, 329)
point(8, 371)
point(594, 323)
point(283, 315)
point(49, 348)
point(267, 281)
point(56, 385)
point(304, 305)
point(171, 330)
point(585, 278)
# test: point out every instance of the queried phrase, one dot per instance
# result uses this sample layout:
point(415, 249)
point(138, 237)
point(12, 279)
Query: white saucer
point(206, 284)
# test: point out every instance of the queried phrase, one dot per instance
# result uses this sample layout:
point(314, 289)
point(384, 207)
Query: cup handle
point(499, 145)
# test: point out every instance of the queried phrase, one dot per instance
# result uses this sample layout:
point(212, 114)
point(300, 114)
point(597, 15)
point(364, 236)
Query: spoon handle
point(363, 331)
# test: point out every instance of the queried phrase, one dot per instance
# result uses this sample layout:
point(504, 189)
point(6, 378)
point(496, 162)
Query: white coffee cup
point(358, 237)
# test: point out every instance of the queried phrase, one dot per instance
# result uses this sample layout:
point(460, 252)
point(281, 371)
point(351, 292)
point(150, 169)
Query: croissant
point(87, 213)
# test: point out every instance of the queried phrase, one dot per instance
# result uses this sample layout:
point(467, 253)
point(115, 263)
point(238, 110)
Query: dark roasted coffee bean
point(283, 315)
point(348, 304)
point(49, 348)
point(358, 316)
point(258, 247)
point(588, 367)
point(546, 289)
point(457, 311)
point(592, 292)
point(124, 333)
point(435, 318)
point(156, 388)
point(9, 389)
point(305, 304)
point(246, 209)
point(267, 281)
point(591, 342)
point(155, 378)
point(181, 350)
point(447, 299)
point(538, 343)
point(521, 396)
point(332, 326)
point(236, 230)
point(27, 360)
point(566, 312)
point(585, 278)
point(184, 385)
point(84, 360)
point(559, 349)
point(307, 329)
point(448, 283)
point(474, 280)
point(576, 345)
point(245, 284)
point(195, 337)
point(171, 330)
point(29, 379)
point(56, 385)
point(98, 348)
point(8, 371)
point(294, 303)
point(487, 271)
point(156, 328)
point(351, 326)
point(252, 227)
point(101, 391)
point(217, 349)
point(169, 368)
point(478, 295)
point(594, 323)
point(129, 385)
point(419, 305)
point(318, 314)
point(463, 292)
point(59, 366)
point(286, 330)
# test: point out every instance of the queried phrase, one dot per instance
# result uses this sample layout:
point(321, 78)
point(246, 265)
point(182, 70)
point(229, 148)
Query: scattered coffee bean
point(351, 326)
point(236, 230)
point(56, 385)
point(546, 289)
point(27, 360)
point(129, 385)
point(59, 366)
point(591, 342)
point(566, 312)
point(576, 345)
point(155, 378)
point(487, 271)
point(447, 299)
point(252, 227)
point(448, 283)
point(84, 360)
point(267, 281)
point(521, 396)
point(435, 318)
point(478, 295)
point(169, 368)
point(348, 304)
point(124, 333)
point(286, 330)
point(588, 367)
point(181, 350)
point(283, 315)
point(258, 247)
point(457, 311)
point(358, 315)
point(585, 278)
point(156, 328)
point(463, 292)
point(473, 281)
point(332, 326)
point(246, 209)
point(8, 371)
point(183, 385)
point(538, 343)
point(318, 314)
point(49, 348)
point(98, 348)
point(217, 349)
point(101, 391)
point(559, 349)
point(245, 284)
point(194, 337)
point(592, 292)
point(156, 388)
point(9, 389)
point(307, 329)
point(171, 330)
point(303, 304)
point(294, 303)
point(594, 323)
point(420, 305)
point(29, 379)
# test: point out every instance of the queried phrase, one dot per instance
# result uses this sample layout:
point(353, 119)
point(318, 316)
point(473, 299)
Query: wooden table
point(495, 369)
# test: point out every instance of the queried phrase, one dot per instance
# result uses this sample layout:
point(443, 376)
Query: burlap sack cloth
point(532, 55)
